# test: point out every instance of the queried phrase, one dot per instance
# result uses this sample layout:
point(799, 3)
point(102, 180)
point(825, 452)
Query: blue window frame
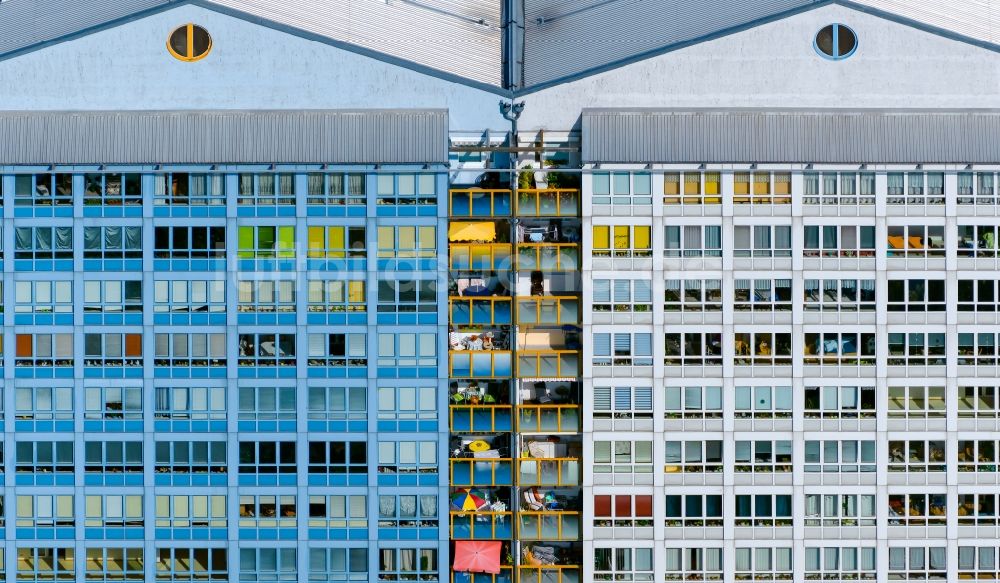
point(112, 457)
point(268, 564)
point(338, 457)
point(43, 242)
point(338, 564)
point(115, 296)
point(267, 457)
point(46, 564)
point(267, 511)
point(43, 403)
point(44, 350)
point(338, 350)
point(113, 510)
point(407, 457)
point(409, 564)
point(189, 189)
point(112, 564)
point(190, 403)
point(181, 564)
point(105, 403)
point(267, 404)
point(112, 242)
point(408, 404)
point(266, 189)
point(338, 511)
point(406, 189)
point(43, 189)
point(43, 297)
point(408, 511)
point(43, 457)
point(112, 350)
point(190, 457)
point(112, 189)
point(267, 350)
point(184, 242)
point(41, 510)
point(335, 189)
point(195, 349)
point(189, 300)
point(191, 511)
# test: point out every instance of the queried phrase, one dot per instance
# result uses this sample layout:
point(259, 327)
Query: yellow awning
point(459, 231)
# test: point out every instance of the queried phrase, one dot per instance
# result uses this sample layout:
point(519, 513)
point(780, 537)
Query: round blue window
point(836, 41)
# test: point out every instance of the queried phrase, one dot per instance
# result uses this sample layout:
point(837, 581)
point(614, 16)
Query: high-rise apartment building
point(711, 295)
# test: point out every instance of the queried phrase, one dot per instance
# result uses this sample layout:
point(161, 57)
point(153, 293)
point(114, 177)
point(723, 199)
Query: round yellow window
point(189, 43)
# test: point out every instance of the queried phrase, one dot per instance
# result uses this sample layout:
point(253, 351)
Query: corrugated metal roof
point(216, 137)
point(738, 136)
point(456, 37)
point(463, 39)
point(568, 37)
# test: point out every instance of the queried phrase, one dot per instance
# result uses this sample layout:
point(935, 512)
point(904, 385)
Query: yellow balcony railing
point(549, 574)
point(548, 256)
point(548, 418)
point(556, 471)
point(479, 202)
point(479, 364)
point(548, 526)
point(506, 575)
point(548, 364)
point(475, 311)
point(551, 202)
point(479, 418)
point(481, 525)
point(479, 256)
point(548, 310)
point(481, 471)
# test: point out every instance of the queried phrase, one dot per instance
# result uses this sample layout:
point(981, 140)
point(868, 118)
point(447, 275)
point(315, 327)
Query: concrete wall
point(250, 67)
point(774, 65)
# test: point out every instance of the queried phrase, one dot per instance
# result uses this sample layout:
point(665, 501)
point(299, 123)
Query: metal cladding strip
point(831, 136)
point(216, 137)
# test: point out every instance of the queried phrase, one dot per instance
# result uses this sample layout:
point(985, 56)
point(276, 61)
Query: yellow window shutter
point(671, 183)
point(336, 242)
point(622, 238)
point(386, 239)
point(602, 237)
point(642, 237)
point(711, 183)
point(426, 238)
point(316, 243)
point(356, 292)
point(741, 183)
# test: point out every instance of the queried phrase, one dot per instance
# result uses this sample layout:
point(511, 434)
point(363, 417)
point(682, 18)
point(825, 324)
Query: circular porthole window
point(836, 41)
point(189, 43)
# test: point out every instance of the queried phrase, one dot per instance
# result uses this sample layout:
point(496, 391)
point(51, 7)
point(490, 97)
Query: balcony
point(481, 525)
point(481, 471)
point(551, 418)
point(548, 526)
point(476, 311)
point(552, 202)
point(549, 364)
point(548, 471)
point(479, 256)
point(478, 202)
point(548, 256)
point(549, 574)
point(548, 311)
point(506, 575)
point(479, 364)
point(479, 418)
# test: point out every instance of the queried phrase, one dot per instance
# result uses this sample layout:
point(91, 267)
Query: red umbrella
point(477, 556)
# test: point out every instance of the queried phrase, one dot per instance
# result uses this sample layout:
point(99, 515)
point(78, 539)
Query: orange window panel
point(133, 345)
point(24, 342)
